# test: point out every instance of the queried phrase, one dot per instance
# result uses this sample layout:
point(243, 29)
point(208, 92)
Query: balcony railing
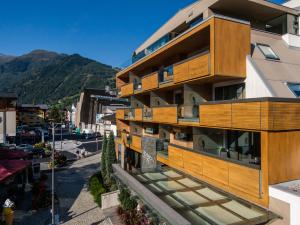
point(150, 82)
point(129, 114)
point(127, 90)
point(191, 68)
point(147, 114)
point(256, 114)
point(167, 75)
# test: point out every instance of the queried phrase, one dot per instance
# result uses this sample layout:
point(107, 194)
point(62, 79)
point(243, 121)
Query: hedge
point(96, 187)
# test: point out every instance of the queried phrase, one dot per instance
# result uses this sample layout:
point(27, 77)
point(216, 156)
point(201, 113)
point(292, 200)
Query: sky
point(104, 30)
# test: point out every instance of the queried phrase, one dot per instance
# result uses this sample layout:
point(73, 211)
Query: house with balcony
point(214, 119)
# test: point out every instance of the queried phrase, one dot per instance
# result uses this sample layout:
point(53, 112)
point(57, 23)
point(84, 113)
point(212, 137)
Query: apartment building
point(213, 130)
point(32, 115)
point(93, 105)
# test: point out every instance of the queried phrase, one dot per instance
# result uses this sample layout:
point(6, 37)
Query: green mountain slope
point(46, 77)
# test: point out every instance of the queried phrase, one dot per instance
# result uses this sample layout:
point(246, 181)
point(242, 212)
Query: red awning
point(12, 154)
point(11, 167)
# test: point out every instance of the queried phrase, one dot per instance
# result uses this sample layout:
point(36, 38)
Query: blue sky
point(107, 31)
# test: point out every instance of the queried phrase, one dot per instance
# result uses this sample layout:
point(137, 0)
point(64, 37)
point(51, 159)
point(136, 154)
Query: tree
point(103, 156)
point(55, 115)
point(111, 156)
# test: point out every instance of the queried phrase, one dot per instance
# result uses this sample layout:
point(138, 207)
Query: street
point(76, 205)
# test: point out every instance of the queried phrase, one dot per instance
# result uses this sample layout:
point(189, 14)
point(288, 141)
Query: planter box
point(110, 199)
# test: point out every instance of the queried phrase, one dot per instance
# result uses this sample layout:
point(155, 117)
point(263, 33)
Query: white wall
point(7, 125)
point(292, 40)
point(255, 86)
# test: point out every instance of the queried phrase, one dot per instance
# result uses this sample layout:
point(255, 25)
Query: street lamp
point(54, 125)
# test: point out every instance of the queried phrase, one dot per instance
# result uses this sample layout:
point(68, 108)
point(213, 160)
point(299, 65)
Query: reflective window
point(295, 88)
point(268, 51)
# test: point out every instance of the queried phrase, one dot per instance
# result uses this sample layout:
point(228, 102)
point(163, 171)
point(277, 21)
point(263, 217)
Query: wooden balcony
point(252, 114)
point(192, 68)
point(224, 59)
point(120, 114)
point(127, 90)
point(165, 114)
point(150, 82)
point(238, 179)
point(138, 115)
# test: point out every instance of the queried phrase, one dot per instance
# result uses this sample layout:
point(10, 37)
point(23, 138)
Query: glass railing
point(188, 112)
point(166, 75)
point(129, 113)
point(147, 113)
point(162, 147)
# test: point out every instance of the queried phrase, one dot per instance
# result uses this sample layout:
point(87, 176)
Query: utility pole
point(53, 149)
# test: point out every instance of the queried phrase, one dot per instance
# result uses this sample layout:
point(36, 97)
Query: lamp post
point(53, 149)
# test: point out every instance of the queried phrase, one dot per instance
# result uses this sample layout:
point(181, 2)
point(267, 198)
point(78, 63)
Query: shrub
point(39, 145)
point(96, 187)
point(127, 202)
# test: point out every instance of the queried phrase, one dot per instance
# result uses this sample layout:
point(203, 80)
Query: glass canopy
point(198, 202)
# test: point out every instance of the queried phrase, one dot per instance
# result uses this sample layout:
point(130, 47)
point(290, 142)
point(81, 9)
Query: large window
point(295, 88)
point(240, 146)
point(268, 52)
point(231, 92)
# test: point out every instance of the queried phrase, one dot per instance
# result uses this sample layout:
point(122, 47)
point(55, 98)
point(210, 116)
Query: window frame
point(291, 83)
point(276, 57)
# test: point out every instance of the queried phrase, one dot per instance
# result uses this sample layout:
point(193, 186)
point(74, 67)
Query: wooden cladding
point(234, 178)
point(127, 90)
point(138, 114)
point(150, 82)
point(136, 143)
point(195, 67)
point(166, 114)
point(257, 115)
point(230, 47)
point(120, 113)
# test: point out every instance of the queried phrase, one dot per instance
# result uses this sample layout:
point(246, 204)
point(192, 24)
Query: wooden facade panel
point(246, 115)
point(192, 163)
point(181, 72)
point(230, 58)
point(162, 159)
point(283, 156)
point(127, 90)
point(291, 118)
point(120, 114)
point(138, 114)
point(218, 115)
point(193, 68)
point(199, 67)
point(150, 82)
point(216, 170)
point(244, 179)
point(175, 157)
point(119, 83)
point(164, 114)
point(136, 143)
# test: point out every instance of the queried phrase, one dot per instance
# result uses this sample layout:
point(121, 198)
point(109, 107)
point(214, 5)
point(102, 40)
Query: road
point(76, 205)
point(70, 147)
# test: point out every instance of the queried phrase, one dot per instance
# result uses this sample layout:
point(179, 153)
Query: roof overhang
point(258, 9)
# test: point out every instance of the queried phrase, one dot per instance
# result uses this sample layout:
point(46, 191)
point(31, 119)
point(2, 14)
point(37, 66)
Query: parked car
point(89, 135)
point(25, 147)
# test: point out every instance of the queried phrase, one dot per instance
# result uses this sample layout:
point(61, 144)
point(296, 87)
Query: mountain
point(47, 77)
point(5, 58)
